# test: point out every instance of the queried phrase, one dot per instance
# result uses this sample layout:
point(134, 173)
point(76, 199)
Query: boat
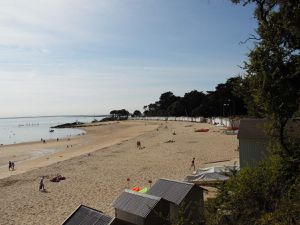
point(51, 131)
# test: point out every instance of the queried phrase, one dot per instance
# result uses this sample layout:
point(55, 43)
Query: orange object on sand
point(202, 130)
point(137, 189)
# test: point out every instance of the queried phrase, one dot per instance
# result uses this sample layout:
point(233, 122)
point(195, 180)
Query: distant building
point(186, 199)
point(253, 139)
point(140, 209)
point(87, 216)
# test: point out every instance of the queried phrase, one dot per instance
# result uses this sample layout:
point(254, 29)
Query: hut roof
point(136, 203)
point(87, 216)
point(116, 221)
point(170, 190)
point(254, 128)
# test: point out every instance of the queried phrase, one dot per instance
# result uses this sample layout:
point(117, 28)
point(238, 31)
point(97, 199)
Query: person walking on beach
point(42, 186)
point(193, 164)
point(12, 166)
point(9, 165)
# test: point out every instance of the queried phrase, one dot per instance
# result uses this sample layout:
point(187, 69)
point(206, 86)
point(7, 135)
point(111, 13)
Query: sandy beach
point(97, 165)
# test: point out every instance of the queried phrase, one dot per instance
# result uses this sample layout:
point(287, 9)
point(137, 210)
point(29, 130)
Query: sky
point(74, 57)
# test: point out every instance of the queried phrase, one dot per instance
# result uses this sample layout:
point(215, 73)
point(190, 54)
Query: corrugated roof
point(117, 221)
point(255, 128)
point(84, 215)
point(136, 203)
point(170, 190)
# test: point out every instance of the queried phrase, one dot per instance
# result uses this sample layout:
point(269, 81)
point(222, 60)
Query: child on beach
point(193, 164)
point(42, 186)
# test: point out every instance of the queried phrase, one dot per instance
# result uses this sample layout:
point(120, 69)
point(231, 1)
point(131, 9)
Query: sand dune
point(97, 178)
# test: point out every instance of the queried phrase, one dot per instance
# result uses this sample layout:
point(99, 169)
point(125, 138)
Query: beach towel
point(144, 190)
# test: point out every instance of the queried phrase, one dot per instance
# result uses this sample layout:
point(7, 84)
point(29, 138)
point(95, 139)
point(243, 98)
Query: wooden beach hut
point(140, 209)
point(253, 139)
point(186, 199)
point(87, 216)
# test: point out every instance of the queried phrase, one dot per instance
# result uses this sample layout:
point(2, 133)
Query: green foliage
point(273, 70)
point(195, 103)
point(120, 114)
point(257, 195)
point(268, 193)
point(137, 113)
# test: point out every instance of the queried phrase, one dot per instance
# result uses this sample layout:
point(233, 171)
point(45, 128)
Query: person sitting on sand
point(58, 178)
point(42, 186)
point(193, 164)
point(170, 141)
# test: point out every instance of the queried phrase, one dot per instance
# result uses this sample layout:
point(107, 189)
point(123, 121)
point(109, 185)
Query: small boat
point(51, 131)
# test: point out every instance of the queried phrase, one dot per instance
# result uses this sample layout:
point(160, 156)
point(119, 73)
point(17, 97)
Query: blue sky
point(92, 56)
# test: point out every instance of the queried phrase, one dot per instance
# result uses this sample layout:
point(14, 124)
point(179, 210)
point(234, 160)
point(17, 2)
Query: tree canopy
point(226, 100)
point(268, 193)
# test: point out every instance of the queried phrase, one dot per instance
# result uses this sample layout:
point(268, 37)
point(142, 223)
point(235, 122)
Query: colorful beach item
point(144, 190)
point(137, 189)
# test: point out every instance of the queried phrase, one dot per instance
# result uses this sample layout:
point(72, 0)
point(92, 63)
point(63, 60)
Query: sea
point(28, 129)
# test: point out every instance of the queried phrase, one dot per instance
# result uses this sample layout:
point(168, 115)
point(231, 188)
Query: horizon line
point(84, 115)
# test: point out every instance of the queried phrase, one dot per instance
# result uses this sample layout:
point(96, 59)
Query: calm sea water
point(18, 130)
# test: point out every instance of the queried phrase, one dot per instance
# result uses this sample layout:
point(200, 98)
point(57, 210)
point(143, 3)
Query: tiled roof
point(84, 215)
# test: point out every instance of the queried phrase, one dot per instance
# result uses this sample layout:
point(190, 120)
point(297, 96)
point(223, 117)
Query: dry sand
point(96, 179)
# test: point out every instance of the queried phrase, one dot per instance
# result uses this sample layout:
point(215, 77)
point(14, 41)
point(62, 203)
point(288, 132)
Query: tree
point(166, 99)
point(192, 100)
point(267, 194)
point(273, 70)
point(137, 113)
point(120, 114)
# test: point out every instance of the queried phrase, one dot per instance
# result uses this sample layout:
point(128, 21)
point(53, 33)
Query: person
point(9, 165)
point(193, 164)
point(12, 166)
point(42, 186)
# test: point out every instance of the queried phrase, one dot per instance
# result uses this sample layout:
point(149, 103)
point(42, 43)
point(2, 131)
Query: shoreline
point(28, 156)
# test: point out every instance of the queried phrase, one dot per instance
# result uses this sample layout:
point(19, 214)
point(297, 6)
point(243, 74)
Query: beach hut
point(116, 221)
point(186, 199)
point(87, 216)
point(140, 209)
point(253, 140)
